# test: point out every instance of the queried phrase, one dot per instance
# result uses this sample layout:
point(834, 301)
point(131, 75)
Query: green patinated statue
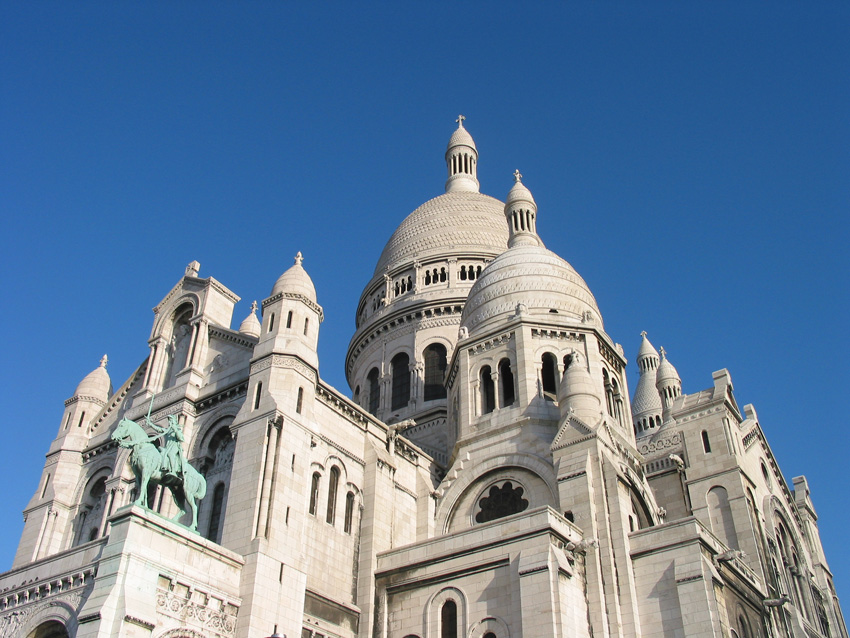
point(167, 467)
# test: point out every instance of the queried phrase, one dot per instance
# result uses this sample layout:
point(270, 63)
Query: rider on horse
point(173, 460)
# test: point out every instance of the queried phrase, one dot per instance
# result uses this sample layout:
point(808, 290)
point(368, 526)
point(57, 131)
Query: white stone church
point(486, 477)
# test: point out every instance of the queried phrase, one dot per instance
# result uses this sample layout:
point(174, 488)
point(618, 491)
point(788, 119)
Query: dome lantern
point(462, 160)
point(521, 211)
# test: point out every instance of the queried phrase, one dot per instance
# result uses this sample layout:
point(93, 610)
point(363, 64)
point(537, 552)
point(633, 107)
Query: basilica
point(489, 474)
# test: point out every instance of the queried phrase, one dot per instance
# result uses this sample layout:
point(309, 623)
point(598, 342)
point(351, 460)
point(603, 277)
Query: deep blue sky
point(689, 159)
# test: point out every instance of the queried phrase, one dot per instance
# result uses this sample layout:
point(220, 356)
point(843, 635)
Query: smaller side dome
point(96, 384)
point(296, 281)
point(251, 325)
point(578, 394)
point(667, 373)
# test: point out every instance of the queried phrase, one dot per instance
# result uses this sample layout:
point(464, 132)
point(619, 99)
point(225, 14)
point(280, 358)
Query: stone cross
point(517, 176)
point(253, 306)
point(299, 258)
point(643, 333)
point(459, 120)
point(193, 268)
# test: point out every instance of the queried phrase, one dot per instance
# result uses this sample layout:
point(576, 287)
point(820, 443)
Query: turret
point(48, 516)
point(646, 405)
point(462, 160)
point(668, 383)
point(291, 317)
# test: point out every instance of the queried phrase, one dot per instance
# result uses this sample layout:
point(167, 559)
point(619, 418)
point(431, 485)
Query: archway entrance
point(50, 629)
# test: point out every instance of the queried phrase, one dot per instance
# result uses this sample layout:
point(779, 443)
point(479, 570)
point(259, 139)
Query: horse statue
point(147, 462)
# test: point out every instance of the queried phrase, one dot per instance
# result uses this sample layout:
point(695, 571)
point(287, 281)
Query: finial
point(643, 333)
point(517, 176)
point(193, 268)
point(103, 361)
point(253, 306)
point(299, 258)
point(663, 352)
point(459, 120)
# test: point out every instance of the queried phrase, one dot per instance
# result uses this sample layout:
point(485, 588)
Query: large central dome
point(464, 222)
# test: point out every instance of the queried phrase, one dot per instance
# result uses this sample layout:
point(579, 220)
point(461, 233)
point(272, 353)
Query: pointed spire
point(521, 211)
point(646, 404)
point(462, 160)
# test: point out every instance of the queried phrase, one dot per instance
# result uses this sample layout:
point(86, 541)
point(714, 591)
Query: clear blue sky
point(689, 159)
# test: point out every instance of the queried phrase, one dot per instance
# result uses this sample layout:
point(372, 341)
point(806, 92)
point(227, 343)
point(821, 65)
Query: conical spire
point(578, 394)
point(521, 211)
point(462, 160)
point(646, 405)
point(251, 325)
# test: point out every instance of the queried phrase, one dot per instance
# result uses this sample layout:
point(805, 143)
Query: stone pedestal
point(154, 576)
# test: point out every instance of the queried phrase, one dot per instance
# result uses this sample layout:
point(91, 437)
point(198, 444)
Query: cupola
point(462, 160)
point(295, 281)
point(96, 384)
point(668, 383)
point(251, 325)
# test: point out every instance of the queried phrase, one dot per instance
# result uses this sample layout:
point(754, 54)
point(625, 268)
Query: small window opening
point(330, 517)
point(488, 394)
point(349, 512)
point(300, 401)
point(506, 379)
point(314, 493)
point(289, 320)
point(82, 418)
point(46, 483)
point(549, 376)
point(258, 394)
point(706, 444)
point(271, 322)
point(306, 325)
point(448, 620)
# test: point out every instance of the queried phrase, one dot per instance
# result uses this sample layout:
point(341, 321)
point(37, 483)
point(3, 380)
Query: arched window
point(258, 394)
point(300, 401)
point(401, 381)
point(488, 394)
point(435, 371)
point(720, 516)
point(374, 391)
point(706, 444)
point(500, 501)
point(349, 512)
point(448, 620)
point(215, 514)
point(489, 634)
point(314, 493)
point(506, 381)
point(549, 376)
point(330, 517)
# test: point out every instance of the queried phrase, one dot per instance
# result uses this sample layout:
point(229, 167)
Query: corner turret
point(646, 405)
point(668, 383)
point(462, 160)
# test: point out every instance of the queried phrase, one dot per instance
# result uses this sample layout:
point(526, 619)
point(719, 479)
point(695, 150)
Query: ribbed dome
point(532, 276)
point(457, 222)
point(296, 281)
point(96, 384)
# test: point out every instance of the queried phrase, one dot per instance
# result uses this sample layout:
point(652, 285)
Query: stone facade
point(488, 478)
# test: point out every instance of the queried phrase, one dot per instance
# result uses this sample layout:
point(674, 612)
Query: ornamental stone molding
point(204, 616)
point(294, 296)
point(673, 440)
point(284, 361)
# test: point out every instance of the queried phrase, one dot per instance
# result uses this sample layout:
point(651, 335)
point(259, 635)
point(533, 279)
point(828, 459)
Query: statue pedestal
point(154, 576)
